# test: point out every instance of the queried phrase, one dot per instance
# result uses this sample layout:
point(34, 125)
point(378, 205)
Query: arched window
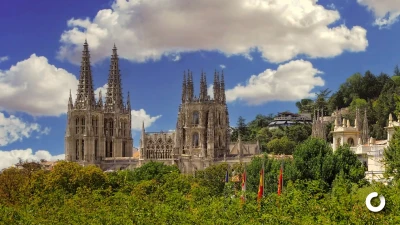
point(350, 141)
point(77, 125)
point(123, 149)
point(196, 119)
point(196, 140)
point(83, 150)
point(111, 127)
point(83, 125)
point(96, 149)
point(77, 149)
point(95, 125)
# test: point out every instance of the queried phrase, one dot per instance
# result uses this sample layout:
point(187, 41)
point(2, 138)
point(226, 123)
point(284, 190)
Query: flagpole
point(263, 169)
point(282, 174)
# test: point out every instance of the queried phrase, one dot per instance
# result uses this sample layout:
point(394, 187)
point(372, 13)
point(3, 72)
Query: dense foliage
point(319, 187)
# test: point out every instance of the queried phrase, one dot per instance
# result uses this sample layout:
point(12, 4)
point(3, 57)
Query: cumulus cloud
point(10, 158)
point(3, 58)
point(386, 12)
point(13, 129)
point(222, 66)
point(290, 82)
point(148, 30)
point(210, 91)
point(331, 6)
point(36, 87)
point(103, 92)
point(175, 57)
point(138, 116)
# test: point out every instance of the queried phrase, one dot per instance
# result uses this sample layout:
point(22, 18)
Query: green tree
point(396, 71)
point(305, 105)
point(298, 133)
point(281, 146)
point(347, 164)
point(313, 160)
point(391, 156)
point(153, 171)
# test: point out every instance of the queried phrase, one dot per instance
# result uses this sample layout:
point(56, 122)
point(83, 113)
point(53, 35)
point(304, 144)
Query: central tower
point(203, 122)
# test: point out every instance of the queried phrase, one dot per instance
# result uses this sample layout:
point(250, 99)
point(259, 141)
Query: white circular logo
point(373, 208)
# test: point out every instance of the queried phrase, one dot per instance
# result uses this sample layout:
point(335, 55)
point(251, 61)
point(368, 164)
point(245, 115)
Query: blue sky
point(273, 53)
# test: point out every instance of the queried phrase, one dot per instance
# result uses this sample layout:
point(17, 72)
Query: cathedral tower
point(203, 125)
point(95, 130)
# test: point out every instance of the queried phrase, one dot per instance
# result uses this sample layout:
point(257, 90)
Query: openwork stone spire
point(184, 91)
point(128, 102)
point(114, 99)
point(203, 87)
point(190, 86)
point(216, 86)
point(85, 94)
point(222, 89)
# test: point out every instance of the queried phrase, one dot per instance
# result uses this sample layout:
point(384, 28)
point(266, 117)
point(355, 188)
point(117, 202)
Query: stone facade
point(100, 133)
point(97, 131)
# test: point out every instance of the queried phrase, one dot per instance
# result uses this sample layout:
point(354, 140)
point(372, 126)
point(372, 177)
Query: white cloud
point(210, 91)
point(331, 6)
point(13, 129)
point(147, 30)
point(3, 58)
point(103, 92)
point(10, 158)
point(222, 66)
point(290, 82)
point(175, 57)
point(138, 116)
point(386, 12)
point(36, 87)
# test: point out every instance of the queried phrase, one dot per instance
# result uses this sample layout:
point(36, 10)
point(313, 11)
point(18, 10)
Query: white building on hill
point(368, 150)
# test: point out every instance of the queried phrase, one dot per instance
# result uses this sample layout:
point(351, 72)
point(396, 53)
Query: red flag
point(280, 181)
point(261, 185)
point(243, 186)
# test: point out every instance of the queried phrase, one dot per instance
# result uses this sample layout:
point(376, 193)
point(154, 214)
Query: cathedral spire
point(222, 90)
point(114, 100)
point(216, 86)
point(100, 101)
point(189, 86)
point(128, 103)
point(85, 93)
point(184, 89)
point(203, 87)
point(70, 105)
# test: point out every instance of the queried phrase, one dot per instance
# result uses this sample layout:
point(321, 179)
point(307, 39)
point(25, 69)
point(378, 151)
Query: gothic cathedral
point(97, 130)
point(100, 133)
